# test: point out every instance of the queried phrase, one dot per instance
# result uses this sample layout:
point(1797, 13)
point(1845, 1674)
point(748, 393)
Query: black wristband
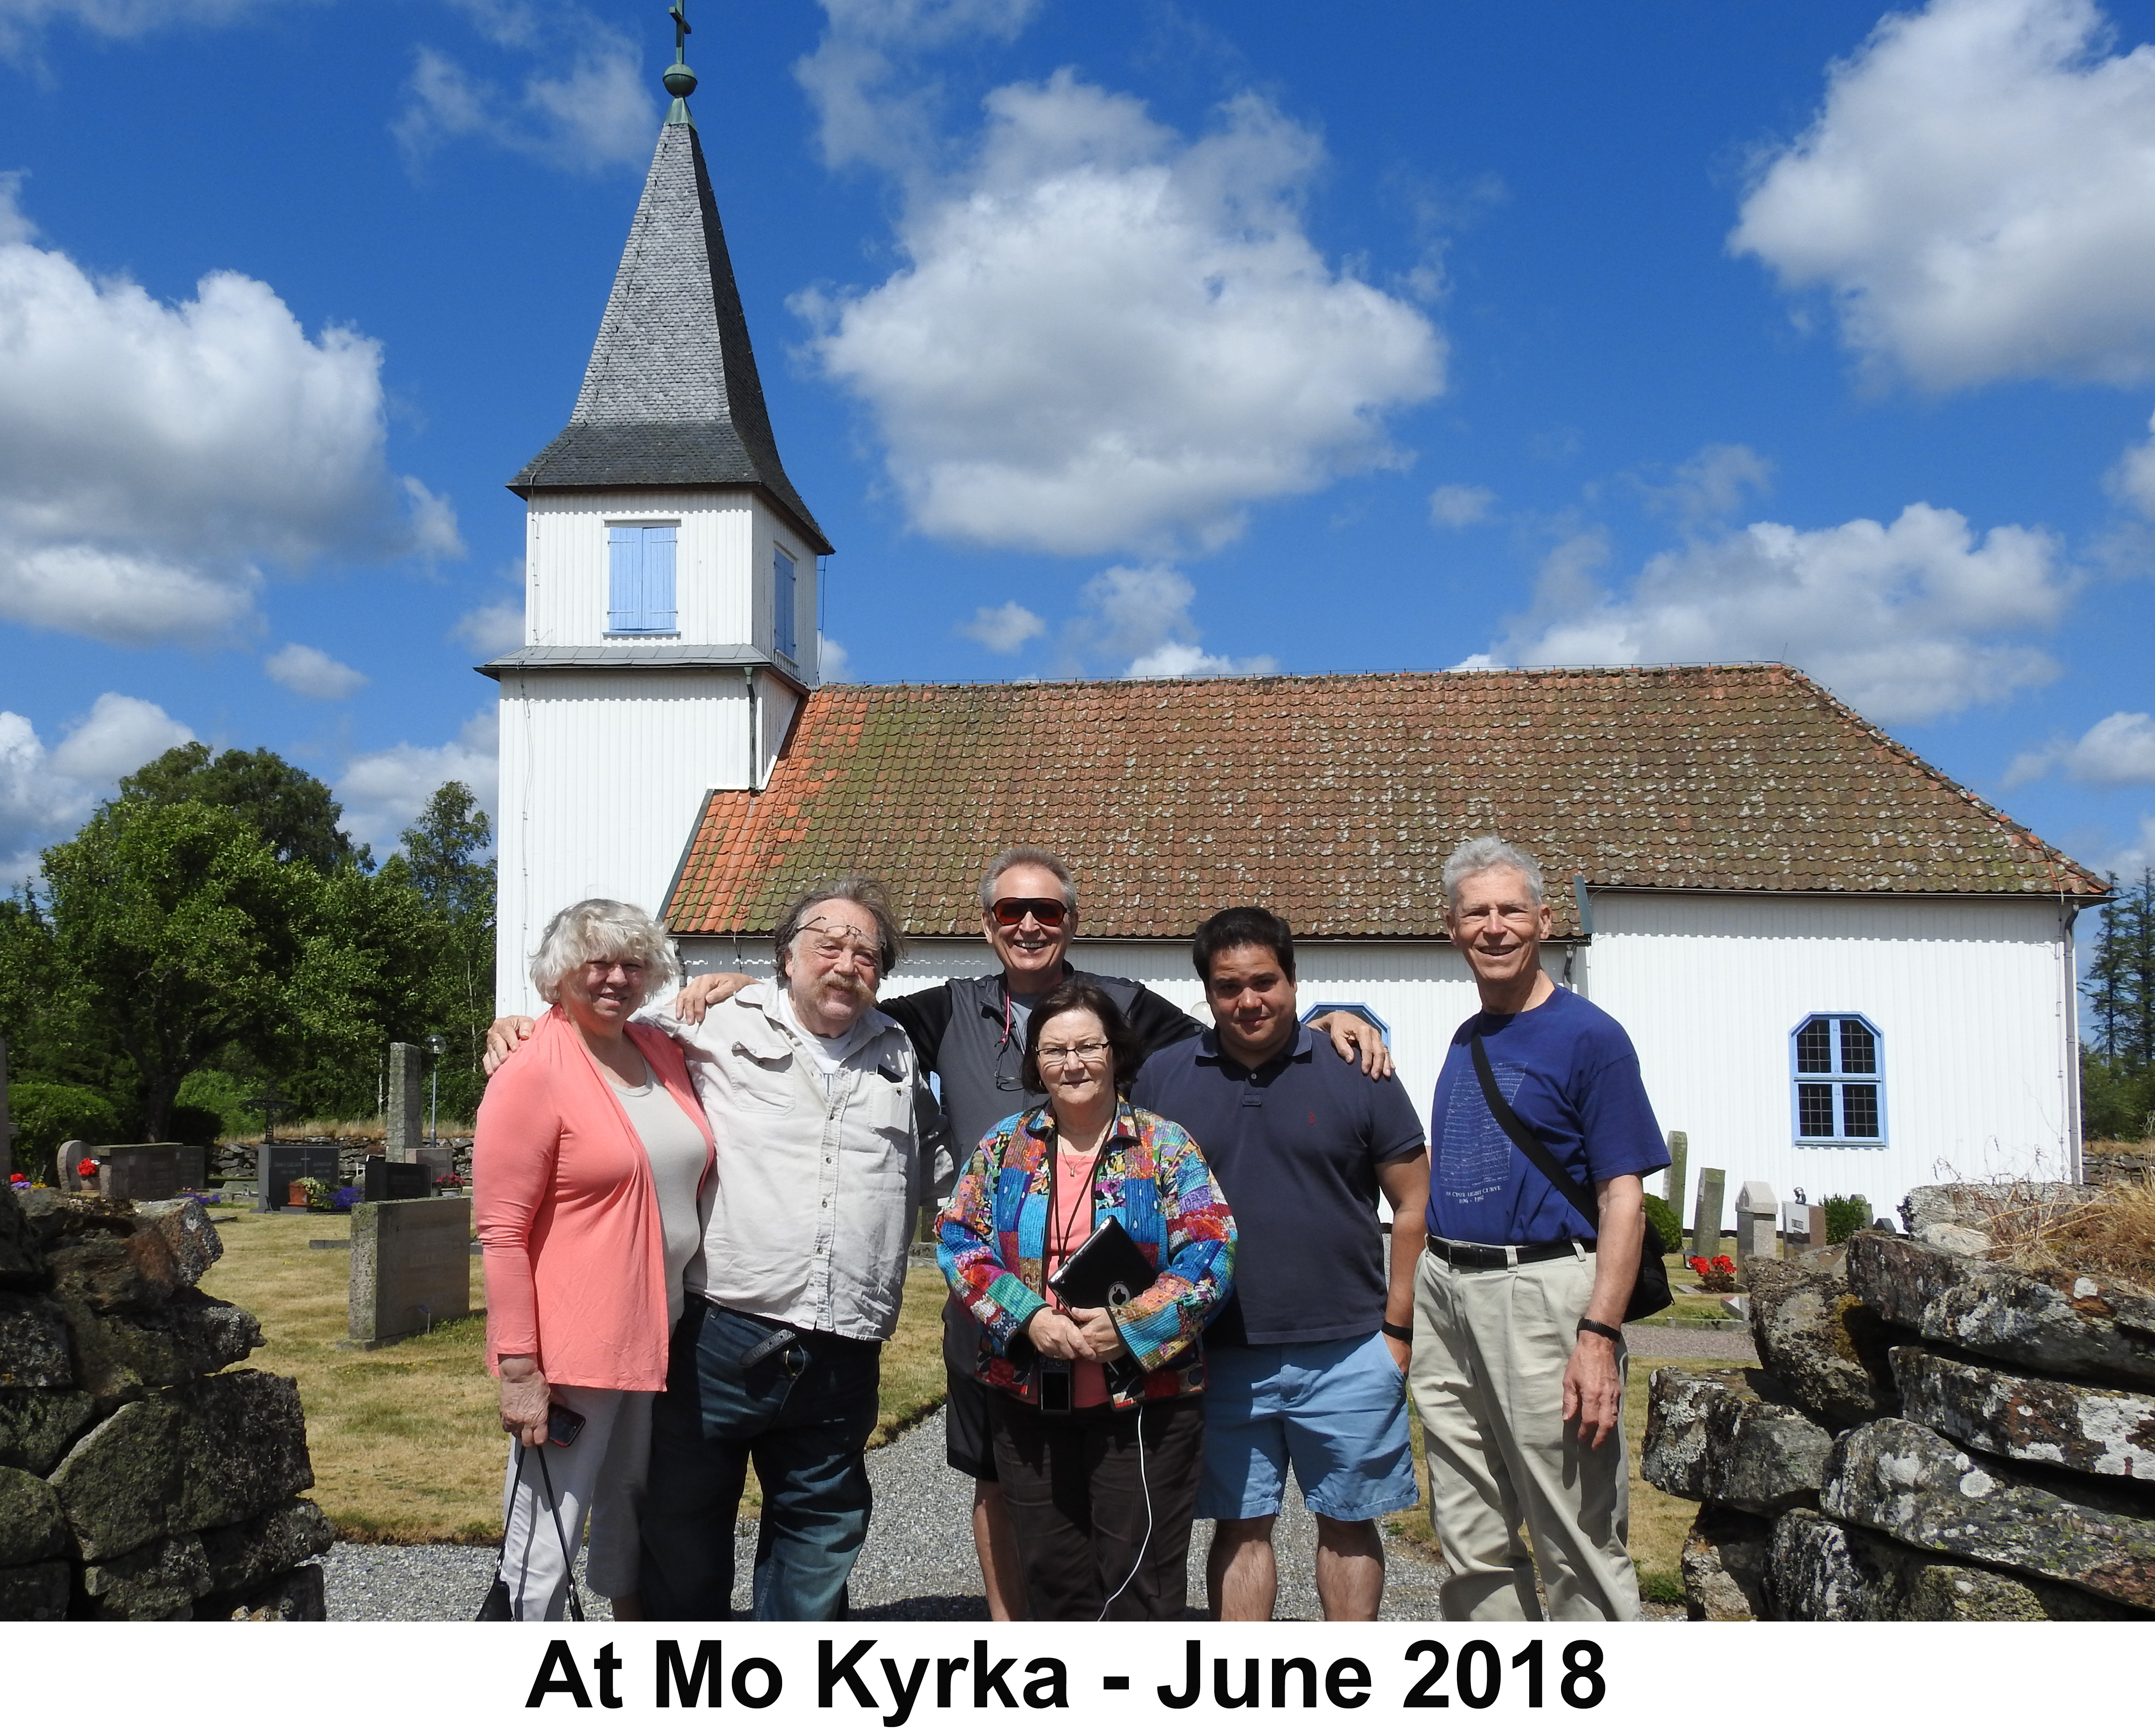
point(1404, 1334)
point(1614, 1334)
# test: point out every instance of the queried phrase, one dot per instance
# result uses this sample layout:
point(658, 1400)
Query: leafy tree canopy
point(293, 810)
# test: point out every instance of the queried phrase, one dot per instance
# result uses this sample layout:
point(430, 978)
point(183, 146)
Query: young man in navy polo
point(1307, 1364)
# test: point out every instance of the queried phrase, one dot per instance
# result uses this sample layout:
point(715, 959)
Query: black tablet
point(1106, 1271)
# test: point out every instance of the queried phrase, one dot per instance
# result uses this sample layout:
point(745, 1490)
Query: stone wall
point(1934, 1436)
point(139, 1480)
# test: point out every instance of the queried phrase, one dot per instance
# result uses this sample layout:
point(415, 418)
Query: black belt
point(1482, 1259)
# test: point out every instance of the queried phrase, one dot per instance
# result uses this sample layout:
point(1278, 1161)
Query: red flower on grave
point(18, 1176)
point(1722, 1263)
point(1700, 1264)
point(86, 1168)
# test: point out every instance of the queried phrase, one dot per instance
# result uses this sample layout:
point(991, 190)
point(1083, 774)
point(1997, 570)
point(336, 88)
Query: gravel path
point(917, 1565)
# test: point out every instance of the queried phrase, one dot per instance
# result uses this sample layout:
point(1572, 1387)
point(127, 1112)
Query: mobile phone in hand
point(563, 1425)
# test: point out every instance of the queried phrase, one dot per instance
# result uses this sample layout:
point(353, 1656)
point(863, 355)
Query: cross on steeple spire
point(679, 80)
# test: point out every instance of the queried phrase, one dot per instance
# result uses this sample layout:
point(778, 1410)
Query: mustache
point(850, 981)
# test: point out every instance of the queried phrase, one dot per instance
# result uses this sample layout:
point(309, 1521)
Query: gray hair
point(870, 894)
point(600, 928)
point(1027, 856)
point(1478, 855)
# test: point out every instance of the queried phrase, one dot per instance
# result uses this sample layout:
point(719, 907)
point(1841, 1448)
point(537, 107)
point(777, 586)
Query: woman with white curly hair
point(591, 1158)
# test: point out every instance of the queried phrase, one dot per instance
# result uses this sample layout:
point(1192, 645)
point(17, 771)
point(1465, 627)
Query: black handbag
point(1650, 1290)
point(499, 1605)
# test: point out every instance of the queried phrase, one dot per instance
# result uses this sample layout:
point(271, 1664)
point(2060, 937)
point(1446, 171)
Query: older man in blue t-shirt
point(1304, 1365)
point(1518, 1357)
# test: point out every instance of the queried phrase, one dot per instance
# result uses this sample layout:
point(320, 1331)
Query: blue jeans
point(803, 1415)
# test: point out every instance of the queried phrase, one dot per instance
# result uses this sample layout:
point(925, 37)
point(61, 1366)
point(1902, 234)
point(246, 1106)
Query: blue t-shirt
point(1295, 1145)
point(1572, 1075)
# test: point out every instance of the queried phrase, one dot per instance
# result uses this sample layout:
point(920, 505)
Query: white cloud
point(832, 663)
point(2124, 863)
point(492, 629)
point(23, 22)
point(1457, 504)
point(1005, 627)
point(119, 735)
point(1142, 614)
point(434, 534)
point(2120, 749)
point(1710, 485)
point(2132, 479)
point(1906, 621)
point(152, 453)
point(383, 792)
point(872, 103)
point(44, 795)
point(1978, 196)
point(599, 111)
point(1107, 337)
point(312, 674)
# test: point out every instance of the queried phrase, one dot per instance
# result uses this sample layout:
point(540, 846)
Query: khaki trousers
point(1487, 1377)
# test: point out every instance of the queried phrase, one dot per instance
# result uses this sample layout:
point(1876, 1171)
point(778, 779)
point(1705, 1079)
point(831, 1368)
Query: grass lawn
point(406, 1441)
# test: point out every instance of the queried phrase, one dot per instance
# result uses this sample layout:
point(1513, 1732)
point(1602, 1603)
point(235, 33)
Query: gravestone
point(138, 1172)
point(406, 1102)
point(72, 1154)
point(1757, 1214)
point(194, 1169)
point(1706, 1213)
point(277, 1167)
point(439, 1161)
point(1817, 1214)
point(383, 1179)
point(410, 1268)
point(1672, 1179)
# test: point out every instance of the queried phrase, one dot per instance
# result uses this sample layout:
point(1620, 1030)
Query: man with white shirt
point(829, 1145)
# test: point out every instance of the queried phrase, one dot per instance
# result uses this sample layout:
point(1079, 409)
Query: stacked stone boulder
point(142, 1477)
point(1934, 1436)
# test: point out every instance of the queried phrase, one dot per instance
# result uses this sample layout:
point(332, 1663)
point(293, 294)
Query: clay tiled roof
point(1335, 799)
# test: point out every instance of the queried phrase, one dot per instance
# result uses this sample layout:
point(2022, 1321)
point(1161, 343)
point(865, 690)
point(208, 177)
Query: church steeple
point(671, 397)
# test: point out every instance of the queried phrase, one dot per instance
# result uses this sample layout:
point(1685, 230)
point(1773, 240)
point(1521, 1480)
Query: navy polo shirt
point(1296, 1146)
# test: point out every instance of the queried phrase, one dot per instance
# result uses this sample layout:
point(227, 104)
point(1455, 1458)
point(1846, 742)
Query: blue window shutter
point(624, 578)
point(658, 578)
point(782, 604)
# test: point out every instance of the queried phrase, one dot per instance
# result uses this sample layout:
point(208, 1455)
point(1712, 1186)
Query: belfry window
point(640, 578)
point(1839, 1069)
point(782, 582)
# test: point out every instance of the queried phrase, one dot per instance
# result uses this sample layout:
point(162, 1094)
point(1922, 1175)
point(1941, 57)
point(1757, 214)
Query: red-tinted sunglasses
point(1048, 913)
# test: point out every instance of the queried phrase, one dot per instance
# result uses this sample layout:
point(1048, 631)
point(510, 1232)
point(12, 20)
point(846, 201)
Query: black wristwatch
point(1614, 1334)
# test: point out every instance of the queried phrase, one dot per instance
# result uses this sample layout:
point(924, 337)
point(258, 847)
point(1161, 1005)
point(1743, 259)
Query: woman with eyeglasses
point(1095, 1416)
point(590, 1159)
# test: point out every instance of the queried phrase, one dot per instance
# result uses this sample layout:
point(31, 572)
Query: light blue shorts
point(1337, 1411)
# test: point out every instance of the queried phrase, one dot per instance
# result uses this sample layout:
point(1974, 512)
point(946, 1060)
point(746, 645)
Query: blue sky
point(1103, 339)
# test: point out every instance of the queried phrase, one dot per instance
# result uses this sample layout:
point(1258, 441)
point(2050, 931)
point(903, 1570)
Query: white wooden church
point(1843, 971)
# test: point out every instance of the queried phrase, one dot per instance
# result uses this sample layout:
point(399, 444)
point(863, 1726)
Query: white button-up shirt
point(821, 1176)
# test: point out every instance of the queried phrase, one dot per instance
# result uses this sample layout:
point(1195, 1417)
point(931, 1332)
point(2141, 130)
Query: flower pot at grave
point(296, 1194)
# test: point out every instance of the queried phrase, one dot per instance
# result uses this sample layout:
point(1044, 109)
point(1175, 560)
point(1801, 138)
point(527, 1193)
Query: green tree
point(445, 861)
point(2117, 1071)
point(293, 810)
point(180, 931)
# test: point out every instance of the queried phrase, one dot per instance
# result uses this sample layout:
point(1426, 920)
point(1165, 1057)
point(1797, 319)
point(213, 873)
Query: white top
point(829, 1054)
point(675, 1146)
point(813, 1215)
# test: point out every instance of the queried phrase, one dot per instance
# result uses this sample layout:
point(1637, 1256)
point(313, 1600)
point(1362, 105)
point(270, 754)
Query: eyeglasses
point(604, 968)
point(836, 941)
point(1048, 913)
point(1087, 1054)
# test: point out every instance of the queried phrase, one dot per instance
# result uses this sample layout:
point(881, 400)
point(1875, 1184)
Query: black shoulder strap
point(1522, 1136)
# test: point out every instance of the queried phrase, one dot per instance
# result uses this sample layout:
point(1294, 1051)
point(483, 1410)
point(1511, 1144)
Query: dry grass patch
point(2055, 1239)
point(406, 1439)
point(1660, 1522)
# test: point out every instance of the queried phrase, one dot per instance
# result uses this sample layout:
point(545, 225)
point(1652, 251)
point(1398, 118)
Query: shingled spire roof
point(671, 397)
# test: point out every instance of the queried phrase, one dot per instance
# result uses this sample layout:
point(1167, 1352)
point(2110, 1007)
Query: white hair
point(1027, 856)
point(1478, 855)
point(602, 929)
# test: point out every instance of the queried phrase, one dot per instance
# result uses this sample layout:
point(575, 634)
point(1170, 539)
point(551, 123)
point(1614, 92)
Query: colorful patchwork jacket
point(1154, 1180)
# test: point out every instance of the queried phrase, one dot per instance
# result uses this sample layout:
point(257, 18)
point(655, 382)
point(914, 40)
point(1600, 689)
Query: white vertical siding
point(603, 775)
point(1972, 997)
point(716, 566)
point(776, 703)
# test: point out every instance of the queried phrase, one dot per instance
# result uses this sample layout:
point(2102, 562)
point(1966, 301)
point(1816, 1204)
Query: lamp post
point(434, 1046)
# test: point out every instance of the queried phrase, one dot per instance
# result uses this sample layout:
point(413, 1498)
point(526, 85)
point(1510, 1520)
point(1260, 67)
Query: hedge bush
point(1666, 1221)
point(46, 1115)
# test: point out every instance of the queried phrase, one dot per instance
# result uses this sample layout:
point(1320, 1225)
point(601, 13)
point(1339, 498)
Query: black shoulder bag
point(499, 1606)
point(1650, 1290)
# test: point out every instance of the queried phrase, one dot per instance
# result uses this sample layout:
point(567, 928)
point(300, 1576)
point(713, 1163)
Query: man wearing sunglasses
point(970, 1032)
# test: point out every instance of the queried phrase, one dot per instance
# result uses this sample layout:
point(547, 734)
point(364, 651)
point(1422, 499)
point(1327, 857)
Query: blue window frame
point(1837, 1061)
point(640, 578)
point(782, 581)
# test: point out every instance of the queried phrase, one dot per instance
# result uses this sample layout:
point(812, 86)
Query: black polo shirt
point(1295, 1145)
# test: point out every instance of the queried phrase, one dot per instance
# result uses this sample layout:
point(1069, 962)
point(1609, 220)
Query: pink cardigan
point(568, 1218)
